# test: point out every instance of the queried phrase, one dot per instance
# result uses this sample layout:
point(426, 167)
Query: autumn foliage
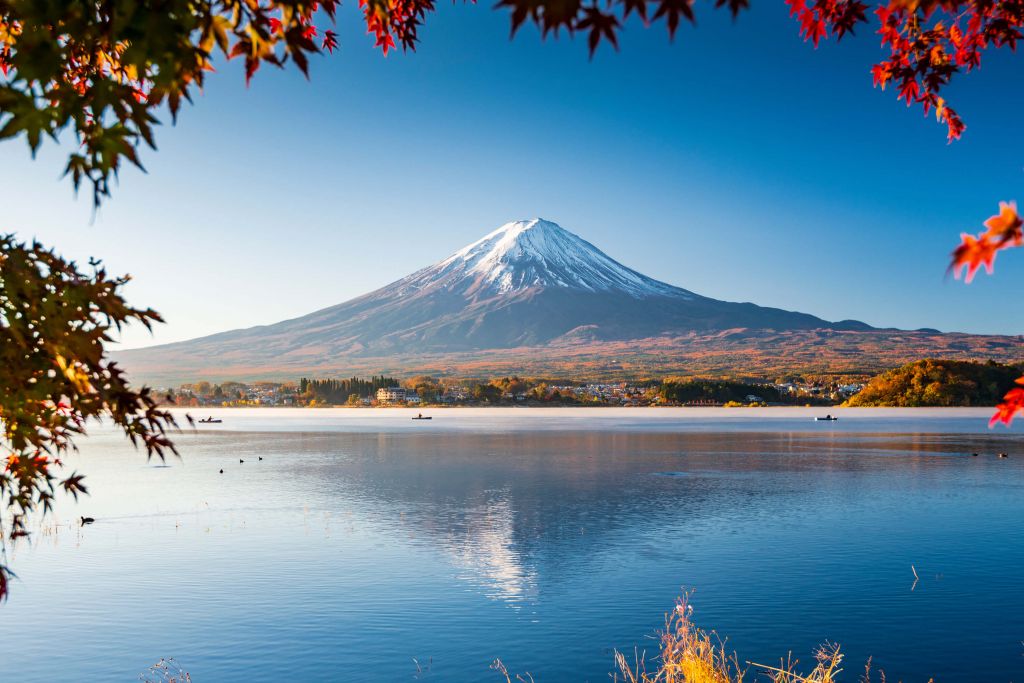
point(104, 69)
point(938, 383)
point(1002, 231)
point(55, 321)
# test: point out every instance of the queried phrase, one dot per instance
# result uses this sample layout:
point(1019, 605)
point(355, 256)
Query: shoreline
point(580, 415)
point(632, 409)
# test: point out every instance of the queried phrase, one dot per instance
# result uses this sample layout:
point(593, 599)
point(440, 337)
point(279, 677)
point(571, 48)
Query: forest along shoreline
point(924, 383)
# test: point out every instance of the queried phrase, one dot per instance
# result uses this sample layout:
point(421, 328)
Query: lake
point(365, 546)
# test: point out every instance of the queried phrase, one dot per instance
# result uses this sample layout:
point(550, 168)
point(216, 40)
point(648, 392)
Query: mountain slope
point(527, 284)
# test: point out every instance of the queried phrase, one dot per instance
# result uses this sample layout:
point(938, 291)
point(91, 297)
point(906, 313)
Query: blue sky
point(737, 162)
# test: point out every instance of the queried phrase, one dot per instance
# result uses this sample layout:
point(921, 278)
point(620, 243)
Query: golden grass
point(689, 654)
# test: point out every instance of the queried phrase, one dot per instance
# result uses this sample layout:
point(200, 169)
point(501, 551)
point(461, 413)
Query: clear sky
point(737, 162)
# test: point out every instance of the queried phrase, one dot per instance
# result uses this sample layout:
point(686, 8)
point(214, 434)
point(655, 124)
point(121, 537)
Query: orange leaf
point(1012, 404)
point(1005, 227)
point(973, 253)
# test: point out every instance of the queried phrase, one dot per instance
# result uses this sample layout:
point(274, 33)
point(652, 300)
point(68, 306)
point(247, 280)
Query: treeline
point(716, 391)
point(342, 390)
point(939, 383)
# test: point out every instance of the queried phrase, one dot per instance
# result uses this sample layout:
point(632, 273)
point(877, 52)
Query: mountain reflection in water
point(343, 555)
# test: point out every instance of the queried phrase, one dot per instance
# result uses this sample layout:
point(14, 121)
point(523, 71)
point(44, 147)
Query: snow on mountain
point(538, 253)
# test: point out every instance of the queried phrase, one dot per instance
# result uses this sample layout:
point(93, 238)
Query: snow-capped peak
point(538, 253)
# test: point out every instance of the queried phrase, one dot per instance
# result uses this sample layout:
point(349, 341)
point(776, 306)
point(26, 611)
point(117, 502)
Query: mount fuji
point(530, 284)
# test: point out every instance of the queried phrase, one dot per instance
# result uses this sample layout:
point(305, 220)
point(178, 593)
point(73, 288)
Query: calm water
point(363, 540)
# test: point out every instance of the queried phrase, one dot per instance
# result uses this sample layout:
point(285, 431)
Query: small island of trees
point(939, 383)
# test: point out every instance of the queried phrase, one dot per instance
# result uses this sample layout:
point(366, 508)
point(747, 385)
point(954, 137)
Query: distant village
point(386, 392)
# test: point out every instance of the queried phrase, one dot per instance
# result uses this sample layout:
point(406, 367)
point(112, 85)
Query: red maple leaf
point(881, 73)
point(601, 26)
point(909, 90)
point(1005, 227)
point(330, 42)
point(973, 253)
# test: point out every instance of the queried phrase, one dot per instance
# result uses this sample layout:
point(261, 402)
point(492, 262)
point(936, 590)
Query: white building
point(391, 395)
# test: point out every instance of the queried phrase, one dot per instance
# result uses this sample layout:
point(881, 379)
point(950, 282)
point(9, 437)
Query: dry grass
point(688, 654)
point(692, 655)
point(165, 671)
point(520, 678)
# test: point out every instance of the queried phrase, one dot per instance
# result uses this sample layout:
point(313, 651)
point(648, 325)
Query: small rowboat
point(826, 419)
point(210, 421)
point(423, 417)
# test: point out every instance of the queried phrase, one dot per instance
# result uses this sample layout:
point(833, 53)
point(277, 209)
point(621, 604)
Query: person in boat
point(419, 415)
point(828, 416)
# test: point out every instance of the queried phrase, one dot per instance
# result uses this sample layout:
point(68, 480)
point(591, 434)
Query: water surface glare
point(363, 543)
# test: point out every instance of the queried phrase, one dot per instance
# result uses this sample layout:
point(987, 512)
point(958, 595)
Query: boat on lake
point(210, 421)
point(421, 416)
point(827, 418)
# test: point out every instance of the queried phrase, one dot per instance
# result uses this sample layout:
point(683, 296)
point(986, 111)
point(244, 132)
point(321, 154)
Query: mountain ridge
point(528, 284)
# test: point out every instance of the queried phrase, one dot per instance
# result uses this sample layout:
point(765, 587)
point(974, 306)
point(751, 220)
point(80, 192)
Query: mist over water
point(547, 538)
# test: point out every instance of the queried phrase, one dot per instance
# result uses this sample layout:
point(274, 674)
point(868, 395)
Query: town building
point(388, 395)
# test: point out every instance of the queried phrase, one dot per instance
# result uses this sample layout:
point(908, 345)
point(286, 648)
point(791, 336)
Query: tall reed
point(689, 654)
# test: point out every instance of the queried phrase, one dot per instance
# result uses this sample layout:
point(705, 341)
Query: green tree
point(103, 69)
point(426, 387)
point(715, 390)
point(488, 393)
point(54, 322)
point(511, 385)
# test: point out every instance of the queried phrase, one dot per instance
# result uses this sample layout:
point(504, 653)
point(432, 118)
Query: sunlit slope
point(529, 295)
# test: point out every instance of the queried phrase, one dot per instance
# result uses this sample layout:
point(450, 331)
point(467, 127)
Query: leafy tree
point(932, 382)
point(103, 69)
point(426, 387)
point(338, 391)
point(715, 390)
point(539, 392)
point(486, 392)
point(1002, 231)
point(511, 385)
point(54, 322)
